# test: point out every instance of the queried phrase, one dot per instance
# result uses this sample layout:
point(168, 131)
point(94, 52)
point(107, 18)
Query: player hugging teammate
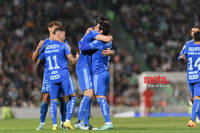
point(191, 54)
point(92, 72)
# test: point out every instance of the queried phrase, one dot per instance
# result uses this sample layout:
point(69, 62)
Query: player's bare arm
point(72, 59)
point(104, 38)
point(108, 52)
point(36, 52)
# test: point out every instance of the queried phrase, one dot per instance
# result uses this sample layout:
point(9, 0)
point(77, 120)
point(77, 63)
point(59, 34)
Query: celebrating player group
point(92, 70)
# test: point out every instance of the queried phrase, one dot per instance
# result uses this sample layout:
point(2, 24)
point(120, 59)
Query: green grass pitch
point(122, 125)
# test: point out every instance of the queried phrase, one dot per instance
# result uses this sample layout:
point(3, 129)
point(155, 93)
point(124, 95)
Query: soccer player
point(84, 74)
point(45, 87)
point(192, 54)
point(56, 55)
point(100, 72)
point(181, 57)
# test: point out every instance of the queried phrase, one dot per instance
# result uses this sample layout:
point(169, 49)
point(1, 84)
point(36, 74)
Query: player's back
point(100, 63)
point(56, 60)
point(85, 56)
point(193, 62)
point(44, 45)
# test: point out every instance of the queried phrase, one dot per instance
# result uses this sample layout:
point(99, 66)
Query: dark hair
point(100, 19)
point(197, 36)
point(58, 29)
point(54, 23)
point(105, 27)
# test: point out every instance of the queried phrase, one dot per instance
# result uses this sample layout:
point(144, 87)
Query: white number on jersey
point(196, 64)
point(50, 62)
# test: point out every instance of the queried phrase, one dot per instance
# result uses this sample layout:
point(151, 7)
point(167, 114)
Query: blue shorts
point(84, 78)
point(194, 89)
point(66, 86)
point(101, 83)
point(45, 84)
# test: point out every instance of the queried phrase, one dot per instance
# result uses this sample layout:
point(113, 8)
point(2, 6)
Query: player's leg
point(191, 96)
point(54, 96)
point(45, 102)
point(69, 90)
point(87, 115)
point(101, 84)
point(196, 104)
point(71, 100)
point(85, 82)
point(63, 110)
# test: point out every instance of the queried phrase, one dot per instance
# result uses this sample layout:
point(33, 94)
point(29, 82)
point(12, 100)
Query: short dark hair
point(197, 36)
point(54, 23)
point(105, 27)
point(58, 29)
point(100, 19)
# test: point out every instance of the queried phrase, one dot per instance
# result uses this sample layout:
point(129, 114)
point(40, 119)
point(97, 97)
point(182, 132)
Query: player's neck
point(59, 40)
point(51, 36)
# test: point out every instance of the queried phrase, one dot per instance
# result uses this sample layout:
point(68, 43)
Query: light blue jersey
point(85, 56)
point(55, 55)
point(192, 53)
point(55, 60)
point(100, 63)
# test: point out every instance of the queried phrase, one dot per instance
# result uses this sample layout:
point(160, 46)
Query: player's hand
point(88, 30)
point(40, 44)
point(77, 55)
point(107, 52)
point(182, 56)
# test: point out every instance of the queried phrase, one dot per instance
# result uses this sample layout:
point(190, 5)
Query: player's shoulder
point(92, 32)
point(189, 42)
point(47, 40)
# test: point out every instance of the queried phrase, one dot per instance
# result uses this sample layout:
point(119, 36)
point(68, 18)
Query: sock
point(82, 108)
point(43, 112)
point(53, 110)
point(63, 110)
point(87, 114)
point(104, 109)
point(195, 109)
point(70, 107)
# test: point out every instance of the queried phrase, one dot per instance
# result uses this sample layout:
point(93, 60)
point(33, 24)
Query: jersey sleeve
point(66, 49)
point(44, 45)
point(94, 45)
point(93, 33)
point(183, 51)
point(109, 45)
point(41, 56)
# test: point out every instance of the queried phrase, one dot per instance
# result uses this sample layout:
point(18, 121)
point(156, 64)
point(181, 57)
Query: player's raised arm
point(36, 52)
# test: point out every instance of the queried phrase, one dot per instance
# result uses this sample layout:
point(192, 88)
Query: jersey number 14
point(196, 64)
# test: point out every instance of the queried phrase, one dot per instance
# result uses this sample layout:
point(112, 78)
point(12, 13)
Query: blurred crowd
point(155, 27)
